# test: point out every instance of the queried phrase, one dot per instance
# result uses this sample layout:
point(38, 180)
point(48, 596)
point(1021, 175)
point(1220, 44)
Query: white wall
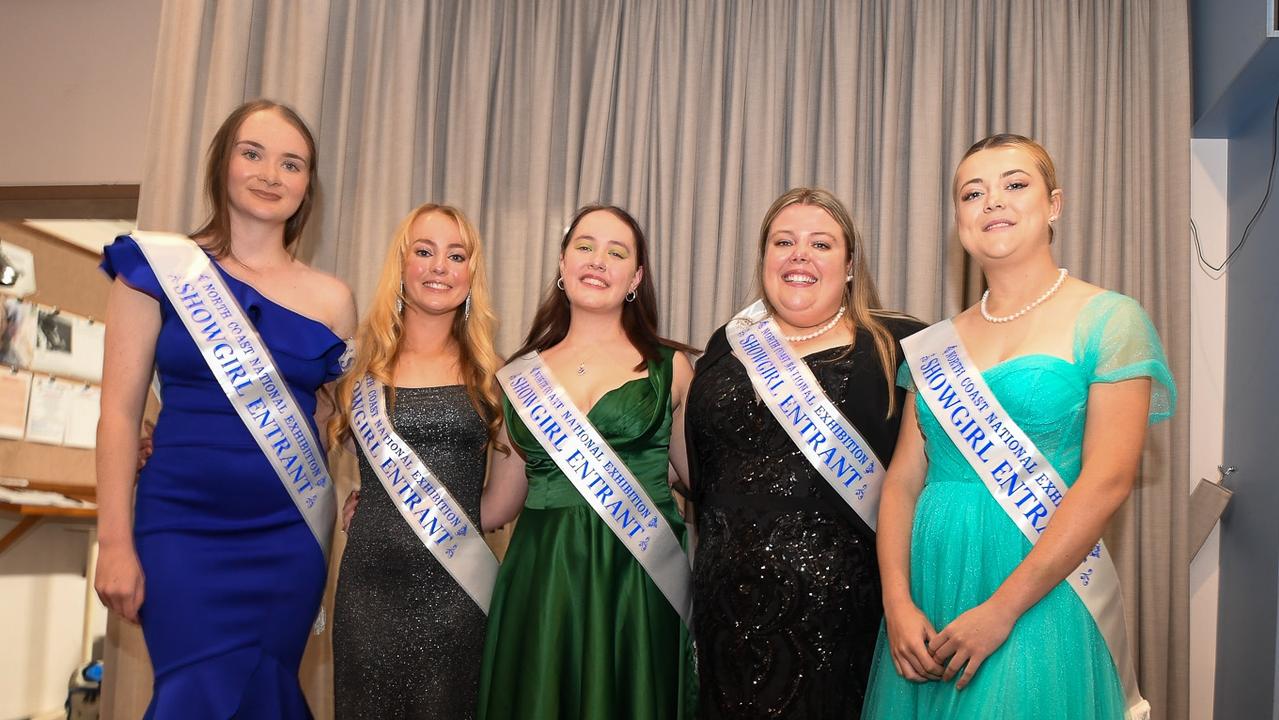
point(75, 80)
point(42, 601)
point(1204, 399)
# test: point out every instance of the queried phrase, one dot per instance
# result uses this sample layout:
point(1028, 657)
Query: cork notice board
point(67, 277)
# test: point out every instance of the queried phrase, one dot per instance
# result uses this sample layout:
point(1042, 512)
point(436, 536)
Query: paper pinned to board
point(15, 396)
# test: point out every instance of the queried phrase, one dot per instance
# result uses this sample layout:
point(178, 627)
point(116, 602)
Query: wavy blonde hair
point(860, 295)
point(378, 338)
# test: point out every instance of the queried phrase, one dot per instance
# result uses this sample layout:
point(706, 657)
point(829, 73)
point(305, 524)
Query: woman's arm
point(133, 325)
point(683, 375)
point(1114, 432)
point(909, 632)
point(507, 486)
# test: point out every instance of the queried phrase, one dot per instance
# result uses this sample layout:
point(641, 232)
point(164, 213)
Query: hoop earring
point(559, 282)
point(630, 296)
point(466, 309)
point(399, 300)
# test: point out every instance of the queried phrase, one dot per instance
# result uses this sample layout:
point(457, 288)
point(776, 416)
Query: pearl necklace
point(1061, 277)
point(819, 331)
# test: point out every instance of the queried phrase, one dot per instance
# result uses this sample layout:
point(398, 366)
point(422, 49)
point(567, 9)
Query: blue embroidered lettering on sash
point(430, 510)
point(830, 443)
point(244, 369)
point(595, 471)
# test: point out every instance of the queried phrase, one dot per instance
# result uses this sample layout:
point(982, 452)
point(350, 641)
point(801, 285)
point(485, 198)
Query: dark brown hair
point(639, 318)
point(215, 234)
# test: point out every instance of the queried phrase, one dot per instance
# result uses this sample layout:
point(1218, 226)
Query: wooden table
point(31, 515)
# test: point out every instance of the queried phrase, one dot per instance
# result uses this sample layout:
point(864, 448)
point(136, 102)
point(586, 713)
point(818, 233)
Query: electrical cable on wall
point(1265, 199)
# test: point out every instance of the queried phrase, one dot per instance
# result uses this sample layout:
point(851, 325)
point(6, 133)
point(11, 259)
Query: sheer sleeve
point(1117, 341)
point(904, 378)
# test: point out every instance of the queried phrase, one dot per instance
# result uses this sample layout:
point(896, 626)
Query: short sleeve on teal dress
point(1116, 341)
point(904, 378)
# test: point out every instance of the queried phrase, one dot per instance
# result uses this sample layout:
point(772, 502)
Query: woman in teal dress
point(577, 628)
point(978, 622)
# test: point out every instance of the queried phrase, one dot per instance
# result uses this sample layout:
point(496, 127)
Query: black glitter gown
point(786, 593)
point(407, 639)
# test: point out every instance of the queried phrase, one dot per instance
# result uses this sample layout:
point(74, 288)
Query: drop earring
point(466, 309)
point(399, 300)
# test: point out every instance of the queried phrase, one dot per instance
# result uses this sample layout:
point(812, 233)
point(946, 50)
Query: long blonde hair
point(378, 338)
point(860, 295)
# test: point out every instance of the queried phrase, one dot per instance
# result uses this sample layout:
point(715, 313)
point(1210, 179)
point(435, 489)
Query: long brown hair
point(215, 234)
point(378, 338)
point(860, 295)
point(639, 318)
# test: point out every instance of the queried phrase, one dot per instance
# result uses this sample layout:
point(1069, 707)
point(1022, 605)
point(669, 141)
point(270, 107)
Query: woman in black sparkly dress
point(786, 586)
point(407, 638)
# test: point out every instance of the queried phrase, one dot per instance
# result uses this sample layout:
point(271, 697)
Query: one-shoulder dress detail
point(233, 574)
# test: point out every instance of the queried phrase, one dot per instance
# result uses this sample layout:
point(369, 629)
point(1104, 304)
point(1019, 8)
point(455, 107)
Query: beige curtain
point(695, 115)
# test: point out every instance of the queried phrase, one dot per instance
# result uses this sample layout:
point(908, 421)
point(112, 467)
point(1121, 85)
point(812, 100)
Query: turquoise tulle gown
point(1055, 663)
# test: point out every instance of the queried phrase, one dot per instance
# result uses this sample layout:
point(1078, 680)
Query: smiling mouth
point(436, 286)
point(265, 195)
point(799, 278)
point(592, 281)
point(998, 225)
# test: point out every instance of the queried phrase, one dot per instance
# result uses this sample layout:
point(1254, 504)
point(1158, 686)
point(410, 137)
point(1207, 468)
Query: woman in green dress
point(980, 623)
point(577, 628)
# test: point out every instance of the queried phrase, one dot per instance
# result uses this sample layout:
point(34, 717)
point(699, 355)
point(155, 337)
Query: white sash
point(1018, 475)
point(432, 513)
point(827, 439)
point(608, 486)
point(247, 373)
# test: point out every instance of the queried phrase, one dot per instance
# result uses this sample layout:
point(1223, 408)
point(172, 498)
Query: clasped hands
point(920, 653)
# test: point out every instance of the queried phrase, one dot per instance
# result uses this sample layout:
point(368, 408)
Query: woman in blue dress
point(213, 557)
point(980, 623)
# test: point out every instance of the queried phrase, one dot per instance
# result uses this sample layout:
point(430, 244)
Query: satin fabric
point(576, 627)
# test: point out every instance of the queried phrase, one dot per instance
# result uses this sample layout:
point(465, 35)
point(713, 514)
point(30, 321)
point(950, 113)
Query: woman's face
point(806, 265)
point(1003, 207)
point(599, 265)
point(437, 267)
point(268, 173)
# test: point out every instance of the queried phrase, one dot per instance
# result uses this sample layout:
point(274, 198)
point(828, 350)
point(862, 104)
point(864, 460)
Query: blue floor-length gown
point(233, 574)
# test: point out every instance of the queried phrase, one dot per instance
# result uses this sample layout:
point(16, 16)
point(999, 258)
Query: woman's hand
point(971, 638)
point(145, 445)
point(118, 580)
point(348, 508)
point(909, 636)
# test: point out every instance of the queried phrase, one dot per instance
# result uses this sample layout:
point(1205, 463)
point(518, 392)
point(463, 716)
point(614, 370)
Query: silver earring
point(849, 278)
point(630, 296)
point(399, 300)
point(466, 310)
point(559, 282)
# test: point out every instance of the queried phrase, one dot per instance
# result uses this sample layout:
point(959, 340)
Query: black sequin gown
point(407, 639)
point(786, 593)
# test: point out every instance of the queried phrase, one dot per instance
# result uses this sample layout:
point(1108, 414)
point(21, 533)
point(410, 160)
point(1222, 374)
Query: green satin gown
point(1055, 663)
point(576, 628)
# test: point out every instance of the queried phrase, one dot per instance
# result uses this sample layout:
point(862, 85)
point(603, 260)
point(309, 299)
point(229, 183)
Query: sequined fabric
point(407, 639)
point(786, 585)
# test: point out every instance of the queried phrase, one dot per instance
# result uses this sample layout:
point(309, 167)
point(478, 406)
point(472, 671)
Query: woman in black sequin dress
point(407, 639)
point(786, 585)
